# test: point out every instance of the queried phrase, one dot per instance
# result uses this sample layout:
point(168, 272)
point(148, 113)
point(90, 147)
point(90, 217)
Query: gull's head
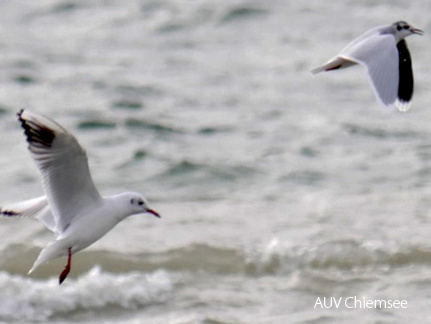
point(137, 204)
point(402, 29)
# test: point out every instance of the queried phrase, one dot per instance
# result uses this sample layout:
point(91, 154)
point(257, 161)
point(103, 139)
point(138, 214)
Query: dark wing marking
point(405, 87)
point(8, 213)
point(36, 135)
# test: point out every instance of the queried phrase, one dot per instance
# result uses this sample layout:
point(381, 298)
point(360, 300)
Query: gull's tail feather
point(52, 251)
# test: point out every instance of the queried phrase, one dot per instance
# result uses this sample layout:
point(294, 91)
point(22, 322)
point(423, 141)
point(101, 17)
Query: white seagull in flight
point(72, 207)
point(383, 51)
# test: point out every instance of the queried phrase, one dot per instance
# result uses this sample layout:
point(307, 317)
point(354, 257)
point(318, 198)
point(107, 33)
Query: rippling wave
point(275, 257)
point(25, 299)
point(119, 285)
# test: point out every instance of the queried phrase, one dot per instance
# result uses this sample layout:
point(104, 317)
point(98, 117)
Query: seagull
point(384, 53)
point(72, 207)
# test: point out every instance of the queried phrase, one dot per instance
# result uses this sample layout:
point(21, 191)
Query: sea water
point(276, 189)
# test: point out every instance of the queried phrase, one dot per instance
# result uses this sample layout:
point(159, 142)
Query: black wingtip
point(406, 81)
point(8, 213)
point(19, 113)
point(20, 119)
point(36, 134)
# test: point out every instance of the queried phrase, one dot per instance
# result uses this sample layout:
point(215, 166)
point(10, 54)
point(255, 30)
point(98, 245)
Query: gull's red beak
point(151, 211)
point(417, 31)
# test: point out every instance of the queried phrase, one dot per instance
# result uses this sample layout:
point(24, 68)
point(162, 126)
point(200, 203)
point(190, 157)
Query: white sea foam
point(25, 299)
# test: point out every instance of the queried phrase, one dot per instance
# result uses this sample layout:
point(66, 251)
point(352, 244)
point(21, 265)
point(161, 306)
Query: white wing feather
point(378, 53)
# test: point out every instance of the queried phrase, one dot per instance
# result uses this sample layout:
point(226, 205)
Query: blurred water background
point(275, 187)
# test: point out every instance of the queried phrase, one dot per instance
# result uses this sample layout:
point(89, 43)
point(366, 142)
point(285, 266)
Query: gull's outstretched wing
point(29, 208)
point(63, 164)
point(379, 54)
point(37, 208)
point(339, 61)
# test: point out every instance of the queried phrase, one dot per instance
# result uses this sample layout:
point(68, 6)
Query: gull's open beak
point(416, 31)
point(151, 211)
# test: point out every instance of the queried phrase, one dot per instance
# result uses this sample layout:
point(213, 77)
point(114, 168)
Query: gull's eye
point(140, 203)
point(406, 27)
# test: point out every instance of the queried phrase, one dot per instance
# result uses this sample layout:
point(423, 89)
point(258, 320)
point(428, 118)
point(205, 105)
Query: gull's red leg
point(66, 270)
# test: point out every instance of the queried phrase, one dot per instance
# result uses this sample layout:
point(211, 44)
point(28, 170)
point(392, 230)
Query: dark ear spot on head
point(132, 201)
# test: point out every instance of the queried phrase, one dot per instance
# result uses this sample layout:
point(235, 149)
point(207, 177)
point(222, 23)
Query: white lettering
point(346, 302)
point(379, 302)
point(337, 304)
point(369, 303)
point(355, 302)
point(328, 302)
point(318, 302)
